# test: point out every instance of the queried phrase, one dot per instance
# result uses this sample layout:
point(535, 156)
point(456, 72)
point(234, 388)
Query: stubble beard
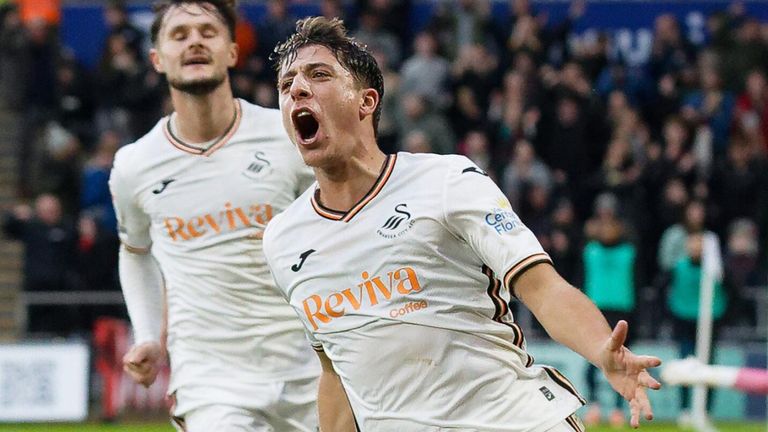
point(198, 87)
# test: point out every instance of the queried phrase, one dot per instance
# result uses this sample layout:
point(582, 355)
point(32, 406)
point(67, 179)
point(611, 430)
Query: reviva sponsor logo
point(370, 292)
point(228, 219)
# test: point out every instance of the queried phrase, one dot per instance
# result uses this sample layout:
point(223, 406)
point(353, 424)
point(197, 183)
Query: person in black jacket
point(49, 260)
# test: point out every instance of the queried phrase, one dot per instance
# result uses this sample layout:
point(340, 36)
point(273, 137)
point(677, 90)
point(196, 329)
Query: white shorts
point(294, 410)
point(571, 424)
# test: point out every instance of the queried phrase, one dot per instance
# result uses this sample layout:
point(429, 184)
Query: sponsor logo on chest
point(371, 291)
point(228, 219)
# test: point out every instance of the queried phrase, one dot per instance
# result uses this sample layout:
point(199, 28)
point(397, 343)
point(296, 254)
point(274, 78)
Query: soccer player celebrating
point(401, 268)
point(192, 198)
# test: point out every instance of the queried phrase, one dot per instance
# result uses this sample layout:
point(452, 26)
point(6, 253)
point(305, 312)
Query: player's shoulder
point(297, 213)
point(261, 118)
point(128, 157)
point(434, 165)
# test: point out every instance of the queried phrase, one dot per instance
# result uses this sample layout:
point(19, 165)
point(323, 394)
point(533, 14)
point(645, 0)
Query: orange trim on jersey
point(574, 422)
point(136, 250)
point(521, 266)
point(386, 172)
point(519, 342)
point(518, 338)
point(181, 145)
point(563, 382)
point(323, 211)
point(493, 293)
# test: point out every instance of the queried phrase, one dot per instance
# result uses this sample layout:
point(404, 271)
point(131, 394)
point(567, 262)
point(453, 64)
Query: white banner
point(44, 382)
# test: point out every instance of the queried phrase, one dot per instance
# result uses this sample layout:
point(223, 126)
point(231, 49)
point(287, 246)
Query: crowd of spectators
point(599, 155)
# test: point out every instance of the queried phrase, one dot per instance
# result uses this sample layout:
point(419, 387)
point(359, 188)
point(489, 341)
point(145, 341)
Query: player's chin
point(312, 148)
point(313, 157)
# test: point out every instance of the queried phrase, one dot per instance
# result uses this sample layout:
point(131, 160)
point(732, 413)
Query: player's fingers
point(634, 410)
point(645, 403)
point(148, 379)
point(134, 356)
point(646, 380)
point(135, 375)
point(646, 362)
point(142, 374)
point(618, 336)
point(138, 368)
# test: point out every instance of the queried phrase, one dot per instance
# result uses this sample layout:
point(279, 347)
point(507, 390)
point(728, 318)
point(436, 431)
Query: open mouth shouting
point(306, 126)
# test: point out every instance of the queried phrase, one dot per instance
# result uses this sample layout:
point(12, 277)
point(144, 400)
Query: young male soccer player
point(193, 196)
point(401, 267)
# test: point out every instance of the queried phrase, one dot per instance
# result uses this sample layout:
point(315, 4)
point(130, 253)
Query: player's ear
point(368, 102)
point(154, 57)
point(233, 51)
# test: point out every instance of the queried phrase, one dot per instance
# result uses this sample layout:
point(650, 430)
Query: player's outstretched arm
point(333, 406)
point(573, 320)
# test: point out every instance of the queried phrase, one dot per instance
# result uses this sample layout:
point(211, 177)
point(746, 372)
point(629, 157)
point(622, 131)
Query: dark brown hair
point(224, 9)
point(353, 56)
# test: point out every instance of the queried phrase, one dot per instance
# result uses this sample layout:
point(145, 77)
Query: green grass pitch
point(164, 427)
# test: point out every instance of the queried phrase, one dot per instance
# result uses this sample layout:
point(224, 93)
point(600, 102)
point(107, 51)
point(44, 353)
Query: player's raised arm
point(333, 406)
point(573, 320)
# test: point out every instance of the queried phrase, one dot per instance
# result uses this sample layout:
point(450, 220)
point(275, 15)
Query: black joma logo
point(164, 184)
point(302, 258)
point(474, 170)
point(394, 221)
point(547, 393)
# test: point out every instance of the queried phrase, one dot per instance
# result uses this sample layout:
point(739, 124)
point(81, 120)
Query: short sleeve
point(478, 212)
point(316, 345)
point(133, 223)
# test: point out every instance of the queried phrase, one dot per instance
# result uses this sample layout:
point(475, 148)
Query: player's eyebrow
point(185, 26)
point(306, 68)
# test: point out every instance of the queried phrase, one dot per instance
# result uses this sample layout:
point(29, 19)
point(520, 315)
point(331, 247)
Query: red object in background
point(246, 39)
point(48, 10)
point(111, 340)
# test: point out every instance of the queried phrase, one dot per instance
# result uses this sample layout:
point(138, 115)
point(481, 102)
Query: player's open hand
point(143, 362)
point(627, 373)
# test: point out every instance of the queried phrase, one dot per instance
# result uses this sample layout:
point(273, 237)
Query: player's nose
point(195, 39)
point(300, 88)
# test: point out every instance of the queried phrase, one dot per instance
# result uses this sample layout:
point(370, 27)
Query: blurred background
point(630, 136)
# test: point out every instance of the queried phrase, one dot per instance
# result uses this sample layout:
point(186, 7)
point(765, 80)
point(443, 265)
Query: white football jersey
point(202, 213)
point(407, 294)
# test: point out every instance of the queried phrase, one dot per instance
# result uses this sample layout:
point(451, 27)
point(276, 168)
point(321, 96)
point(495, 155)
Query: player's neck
point(205, 117)
point(346, 183)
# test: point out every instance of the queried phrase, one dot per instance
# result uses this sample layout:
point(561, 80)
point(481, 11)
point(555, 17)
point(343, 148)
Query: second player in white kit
point(232, 339)
point(193, 197)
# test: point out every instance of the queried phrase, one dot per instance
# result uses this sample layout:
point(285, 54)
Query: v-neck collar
point(215, 145)
point(386, 172)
